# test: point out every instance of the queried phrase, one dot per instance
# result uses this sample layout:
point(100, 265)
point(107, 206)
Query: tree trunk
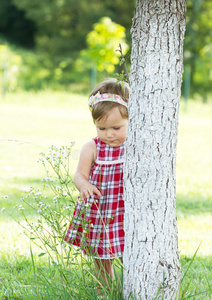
point(151, 254)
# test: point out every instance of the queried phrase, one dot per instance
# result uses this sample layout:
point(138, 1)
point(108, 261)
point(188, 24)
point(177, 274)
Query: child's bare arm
point(87, 158)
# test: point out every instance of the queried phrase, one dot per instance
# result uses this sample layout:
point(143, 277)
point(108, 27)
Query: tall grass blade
point(190, 263)
point(32, 259)
point(194, 295)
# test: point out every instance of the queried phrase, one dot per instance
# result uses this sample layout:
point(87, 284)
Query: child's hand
point(88, 190)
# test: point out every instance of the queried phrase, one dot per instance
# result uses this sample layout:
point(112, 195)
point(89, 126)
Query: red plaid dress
point(97, 224)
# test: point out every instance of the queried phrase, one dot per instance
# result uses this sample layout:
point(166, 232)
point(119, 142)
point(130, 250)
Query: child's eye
point(116, 128)
point(101, 128)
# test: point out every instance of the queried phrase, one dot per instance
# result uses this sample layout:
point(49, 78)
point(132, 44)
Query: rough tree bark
point(151, 254)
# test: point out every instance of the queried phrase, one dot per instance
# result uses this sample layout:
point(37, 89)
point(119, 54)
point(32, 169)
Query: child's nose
point(110, 133)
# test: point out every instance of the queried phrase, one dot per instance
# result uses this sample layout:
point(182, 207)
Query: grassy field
point(30, 123)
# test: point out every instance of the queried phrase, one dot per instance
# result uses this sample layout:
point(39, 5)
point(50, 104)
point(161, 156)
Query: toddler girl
point(97, 224)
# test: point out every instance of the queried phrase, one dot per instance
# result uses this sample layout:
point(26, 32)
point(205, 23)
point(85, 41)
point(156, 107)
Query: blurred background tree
point(49, 36)
point(198, 48)
point(9, 67)
point(101, 53)
point(61, 29)
point(15, 26)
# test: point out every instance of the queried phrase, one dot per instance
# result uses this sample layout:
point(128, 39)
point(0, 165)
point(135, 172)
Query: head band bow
point(106, 97)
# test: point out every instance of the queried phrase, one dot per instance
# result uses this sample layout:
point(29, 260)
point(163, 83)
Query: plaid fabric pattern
point(97, 224)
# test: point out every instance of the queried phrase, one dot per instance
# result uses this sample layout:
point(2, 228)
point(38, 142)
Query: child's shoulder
point(89, 149)
point(90, 145)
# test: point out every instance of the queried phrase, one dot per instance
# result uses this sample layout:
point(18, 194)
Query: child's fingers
point(87, 193)
point(83, 196)
point(96, 191)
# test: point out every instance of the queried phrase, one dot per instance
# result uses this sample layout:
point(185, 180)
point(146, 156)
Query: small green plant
point(124, 75)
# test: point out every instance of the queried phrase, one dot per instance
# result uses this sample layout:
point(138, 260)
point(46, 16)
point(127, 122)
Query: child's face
point(112, 130)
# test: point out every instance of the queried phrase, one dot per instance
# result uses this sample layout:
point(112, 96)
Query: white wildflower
point(38, 194)
point(20, 207)
point(47, 179)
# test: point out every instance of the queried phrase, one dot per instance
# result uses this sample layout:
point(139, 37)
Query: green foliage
point(198, 45)
point(124, 74)
point(15, 26)
point(61, 25)
point(58, 28)
point(61, 29)
point(102, 43)
point(9, 68)
point(38, 71)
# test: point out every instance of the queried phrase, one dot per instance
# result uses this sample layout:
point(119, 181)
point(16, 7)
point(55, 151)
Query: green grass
point(32, 122)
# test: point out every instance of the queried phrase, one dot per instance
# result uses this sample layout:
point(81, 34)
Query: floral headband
point(106, 97)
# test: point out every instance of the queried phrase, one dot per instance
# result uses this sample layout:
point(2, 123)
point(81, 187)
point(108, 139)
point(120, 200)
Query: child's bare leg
point(104, 268)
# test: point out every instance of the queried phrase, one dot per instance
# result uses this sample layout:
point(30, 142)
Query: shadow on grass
point(17, 188)
point(193, 204)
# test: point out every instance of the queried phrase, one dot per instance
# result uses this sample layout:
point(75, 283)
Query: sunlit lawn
point(31, 122)
point(194, 179)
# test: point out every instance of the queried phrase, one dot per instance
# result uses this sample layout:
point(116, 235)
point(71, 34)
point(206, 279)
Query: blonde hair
point(111, 86)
